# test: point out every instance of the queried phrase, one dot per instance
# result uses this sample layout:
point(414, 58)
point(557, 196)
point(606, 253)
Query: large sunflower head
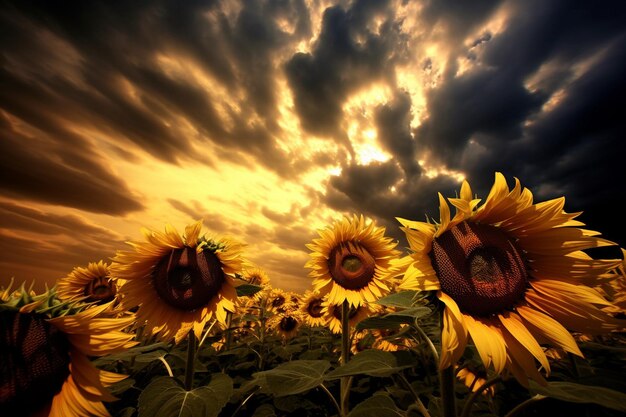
point(92, 284)
point(45, 366)
point(351, 261)
point(511, 273)
point(179, 282)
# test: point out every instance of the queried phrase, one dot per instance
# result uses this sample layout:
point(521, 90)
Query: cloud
point(347, 55)
point(74, 178)
point(43, 246)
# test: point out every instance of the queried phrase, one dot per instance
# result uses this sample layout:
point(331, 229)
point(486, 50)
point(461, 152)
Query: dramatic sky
point(269, 119)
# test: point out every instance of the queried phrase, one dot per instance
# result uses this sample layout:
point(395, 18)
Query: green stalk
point(229, 320)
point(262, 321)
point(345, 357)
point(446, 384)
point(418, 403)
point(191, 354)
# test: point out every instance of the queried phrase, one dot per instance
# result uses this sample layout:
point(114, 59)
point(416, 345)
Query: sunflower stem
point(429, 342)
point(262, 320)
point(229, 320)
point(446, 384)
point(323, 387)
point(418, 403)
point(470, 401)
point(345, 357)
point(191, 354)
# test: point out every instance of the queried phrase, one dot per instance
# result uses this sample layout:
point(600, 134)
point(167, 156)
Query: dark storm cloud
point(76, 66)
point(394, 134)
point(347, 55)
point(212, 221)
point(75, 179)
point(487, 119)
point(20, 218)
point(67, 240)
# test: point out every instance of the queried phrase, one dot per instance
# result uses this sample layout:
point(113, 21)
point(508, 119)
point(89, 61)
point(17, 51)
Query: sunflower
point(361, 340)
point(332, 313)
point(473, 378)
point(286, 324)
point(615, 289)
point(511, 275)
point(93, 284)
point(256, 276)
point(351, 261)
point(179, 283)
point(45, 367)
point(311, 308)
point(392, 340)
point(280, 301)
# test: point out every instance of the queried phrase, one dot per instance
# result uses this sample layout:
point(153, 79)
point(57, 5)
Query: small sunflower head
point(333, 315)
point(256, 276)
point(473, 377)
point(312, 308)
point(93, 284)
point(352, 260)
point(286, 324)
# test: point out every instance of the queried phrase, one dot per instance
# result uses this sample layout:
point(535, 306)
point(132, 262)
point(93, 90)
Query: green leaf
point(135, 352)
point(413, 312)
point(374, 362)
point(292, 377)
point(577, 393)
point(166, 397)
point(380, 405)
point(386, 322)
point(398, 299)
point(246, 290)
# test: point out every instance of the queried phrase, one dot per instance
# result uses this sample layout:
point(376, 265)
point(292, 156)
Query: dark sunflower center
point(480, 267)
point(34, 362)
point(288, 324)
point(389, 332)
point(187, 280)
point(278, 301)
point(101, 289)
point(255, 280)
point(315, 308)
point(351, 266)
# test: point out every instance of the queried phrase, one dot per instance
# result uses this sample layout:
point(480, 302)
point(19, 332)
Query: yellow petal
point(513, 323)
point(488, 342)
point(550, 329)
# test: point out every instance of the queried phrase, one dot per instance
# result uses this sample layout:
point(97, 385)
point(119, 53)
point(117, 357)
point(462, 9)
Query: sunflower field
point(497, 309)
